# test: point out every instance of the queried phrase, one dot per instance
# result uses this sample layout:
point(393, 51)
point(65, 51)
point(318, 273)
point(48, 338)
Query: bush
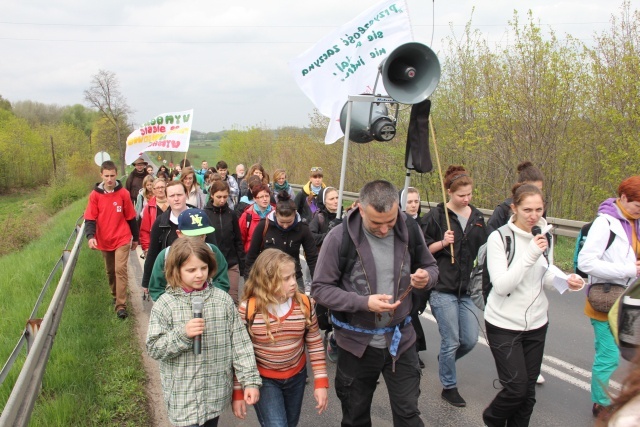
point(63, 192)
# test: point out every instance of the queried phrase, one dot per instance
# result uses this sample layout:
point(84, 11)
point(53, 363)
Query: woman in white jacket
point(516, 311)
point(617, 262)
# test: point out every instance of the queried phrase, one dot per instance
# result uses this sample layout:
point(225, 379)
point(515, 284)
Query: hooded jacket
point(248, 222)
point(454, 278)
point(110, 217)
point(319, 225)
point(349, 293)
point(225, 220)
point(617, 264)
point(163, 233)
point(288, 240)
point(197, 388)
point(305, 208)
point(517, 301)
point(150, 213)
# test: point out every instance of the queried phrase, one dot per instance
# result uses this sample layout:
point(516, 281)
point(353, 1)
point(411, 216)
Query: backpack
point(348, 254)
point(250, 314)
point(480, 283)
point(582, 236)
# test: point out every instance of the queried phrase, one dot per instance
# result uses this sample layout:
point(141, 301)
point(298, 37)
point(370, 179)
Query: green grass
point(563, 253)
point(95, 375)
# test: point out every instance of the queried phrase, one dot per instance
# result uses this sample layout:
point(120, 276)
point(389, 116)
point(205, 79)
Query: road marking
point(549, 369)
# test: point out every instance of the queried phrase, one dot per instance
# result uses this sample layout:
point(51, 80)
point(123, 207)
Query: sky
point(226, 60)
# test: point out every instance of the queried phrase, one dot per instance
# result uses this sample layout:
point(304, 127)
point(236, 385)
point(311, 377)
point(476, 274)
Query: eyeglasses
point(264, 196)
point(316, 169)
point(159, 188)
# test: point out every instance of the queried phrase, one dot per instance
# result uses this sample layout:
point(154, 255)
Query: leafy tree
point(104, 94)
point(4, 104)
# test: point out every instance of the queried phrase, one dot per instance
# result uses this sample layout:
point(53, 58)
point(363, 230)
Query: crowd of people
point(250, 281)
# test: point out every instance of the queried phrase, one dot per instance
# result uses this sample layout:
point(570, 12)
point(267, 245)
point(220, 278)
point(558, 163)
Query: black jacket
point(227, 233)
point(454, 278)
point(288, 240)
point(163, 233)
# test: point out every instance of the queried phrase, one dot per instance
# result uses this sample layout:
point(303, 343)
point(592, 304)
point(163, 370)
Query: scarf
point(634, 232)
point(315, 189)
point(613, 208)
point(283, 187)
point(260, 213)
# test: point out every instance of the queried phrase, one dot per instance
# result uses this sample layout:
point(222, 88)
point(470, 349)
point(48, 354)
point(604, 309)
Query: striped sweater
point(285, 357)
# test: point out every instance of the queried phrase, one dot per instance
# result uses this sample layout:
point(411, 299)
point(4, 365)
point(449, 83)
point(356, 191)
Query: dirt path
point(140, 310)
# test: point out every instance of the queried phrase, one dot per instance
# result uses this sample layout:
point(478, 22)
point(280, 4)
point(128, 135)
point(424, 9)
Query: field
point(94, 375)
point(198, 151)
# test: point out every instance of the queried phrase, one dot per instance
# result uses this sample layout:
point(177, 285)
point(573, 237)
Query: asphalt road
point(563, 400)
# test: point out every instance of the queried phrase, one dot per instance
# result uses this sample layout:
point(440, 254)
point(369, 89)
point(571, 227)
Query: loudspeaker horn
point(410, 73)
point(382, 128)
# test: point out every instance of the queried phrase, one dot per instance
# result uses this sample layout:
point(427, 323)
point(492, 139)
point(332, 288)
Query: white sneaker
point(540, 379)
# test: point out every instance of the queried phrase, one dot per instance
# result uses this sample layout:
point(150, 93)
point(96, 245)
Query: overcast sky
point(226, 60)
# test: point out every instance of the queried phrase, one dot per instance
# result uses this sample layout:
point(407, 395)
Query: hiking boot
point(540, 379)
point(597, 409)
point(122, 313)
point(332, 348)
point(421, 363)
point(452, 396)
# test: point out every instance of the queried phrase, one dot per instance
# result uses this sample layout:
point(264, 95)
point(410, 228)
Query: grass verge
point(95, 375)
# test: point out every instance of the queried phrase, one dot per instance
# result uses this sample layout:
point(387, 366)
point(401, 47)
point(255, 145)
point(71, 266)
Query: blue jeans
point(458, 327)
point(605, 362)
point(281, 400)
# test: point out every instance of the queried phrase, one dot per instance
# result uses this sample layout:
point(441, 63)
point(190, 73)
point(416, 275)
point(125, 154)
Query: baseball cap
point(194, 222)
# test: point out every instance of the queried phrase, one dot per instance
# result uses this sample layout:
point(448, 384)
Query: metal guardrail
point(17, 411)
point(561, 227)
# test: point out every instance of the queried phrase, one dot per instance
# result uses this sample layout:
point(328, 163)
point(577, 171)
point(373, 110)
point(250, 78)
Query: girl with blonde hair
point(281, 323)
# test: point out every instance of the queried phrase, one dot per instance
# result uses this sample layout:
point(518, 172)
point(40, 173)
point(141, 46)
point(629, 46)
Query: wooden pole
point(53, 154)
point(444, 194)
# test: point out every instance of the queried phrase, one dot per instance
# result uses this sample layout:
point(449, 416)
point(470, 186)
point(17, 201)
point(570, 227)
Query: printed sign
point(165, 132)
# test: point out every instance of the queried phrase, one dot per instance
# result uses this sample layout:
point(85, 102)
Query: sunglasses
point(316, 169)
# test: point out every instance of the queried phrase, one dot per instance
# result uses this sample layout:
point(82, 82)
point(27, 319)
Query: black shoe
point(597, 409)
point(122, 314)
point(452, 396)
point(421, 363)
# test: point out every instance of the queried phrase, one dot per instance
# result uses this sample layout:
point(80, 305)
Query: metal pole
point(345, 151)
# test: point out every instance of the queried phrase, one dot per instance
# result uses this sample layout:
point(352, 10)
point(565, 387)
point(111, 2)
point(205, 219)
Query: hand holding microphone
point(540, 240)
point(195, 327)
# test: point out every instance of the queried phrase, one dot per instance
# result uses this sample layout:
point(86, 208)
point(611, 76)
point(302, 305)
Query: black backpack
point(582, 236)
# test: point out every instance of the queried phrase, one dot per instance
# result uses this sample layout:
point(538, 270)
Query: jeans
point(458, 327)
point(356, 382)
point(281, 400)
point(116, 263)
point(518, 356)
point(605, 361)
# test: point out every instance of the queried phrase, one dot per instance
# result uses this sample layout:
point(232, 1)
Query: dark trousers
point(518, 357)
point(356, 382)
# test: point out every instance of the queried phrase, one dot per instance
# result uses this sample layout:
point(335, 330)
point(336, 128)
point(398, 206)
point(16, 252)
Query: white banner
point(165, 132)
point(346, 61)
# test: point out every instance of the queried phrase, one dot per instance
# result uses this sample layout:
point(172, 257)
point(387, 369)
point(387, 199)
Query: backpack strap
point(507, 236)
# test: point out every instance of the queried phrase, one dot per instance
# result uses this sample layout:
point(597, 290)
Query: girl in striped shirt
point(281, 322)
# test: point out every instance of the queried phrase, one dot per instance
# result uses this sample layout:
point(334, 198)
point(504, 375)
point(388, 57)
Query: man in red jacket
point(110, 226)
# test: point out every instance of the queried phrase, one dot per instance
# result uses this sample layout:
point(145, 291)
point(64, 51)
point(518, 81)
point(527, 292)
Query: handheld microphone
point(197, 303)
point(535, 230)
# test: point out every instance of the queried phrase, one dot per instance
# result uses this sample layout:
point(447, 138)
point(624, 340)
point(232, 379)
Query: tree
point(4, 104)
point(104, 94)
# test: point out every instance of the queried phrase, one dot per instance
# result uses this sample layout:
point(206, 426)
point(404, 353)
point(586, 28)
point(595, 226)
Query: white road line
point(550, 370)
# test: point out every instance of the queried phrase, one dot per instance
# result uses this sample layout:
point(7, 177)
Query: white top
point(517, 300)
point(614, 265)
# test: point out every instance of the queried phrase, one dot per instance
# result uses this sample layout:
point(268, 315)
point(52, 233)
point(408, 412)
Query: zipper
point(366, 280)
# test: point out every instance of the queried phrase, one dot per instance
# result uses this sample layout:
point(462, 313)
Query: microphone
point(197, 303)
point(535, 230)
